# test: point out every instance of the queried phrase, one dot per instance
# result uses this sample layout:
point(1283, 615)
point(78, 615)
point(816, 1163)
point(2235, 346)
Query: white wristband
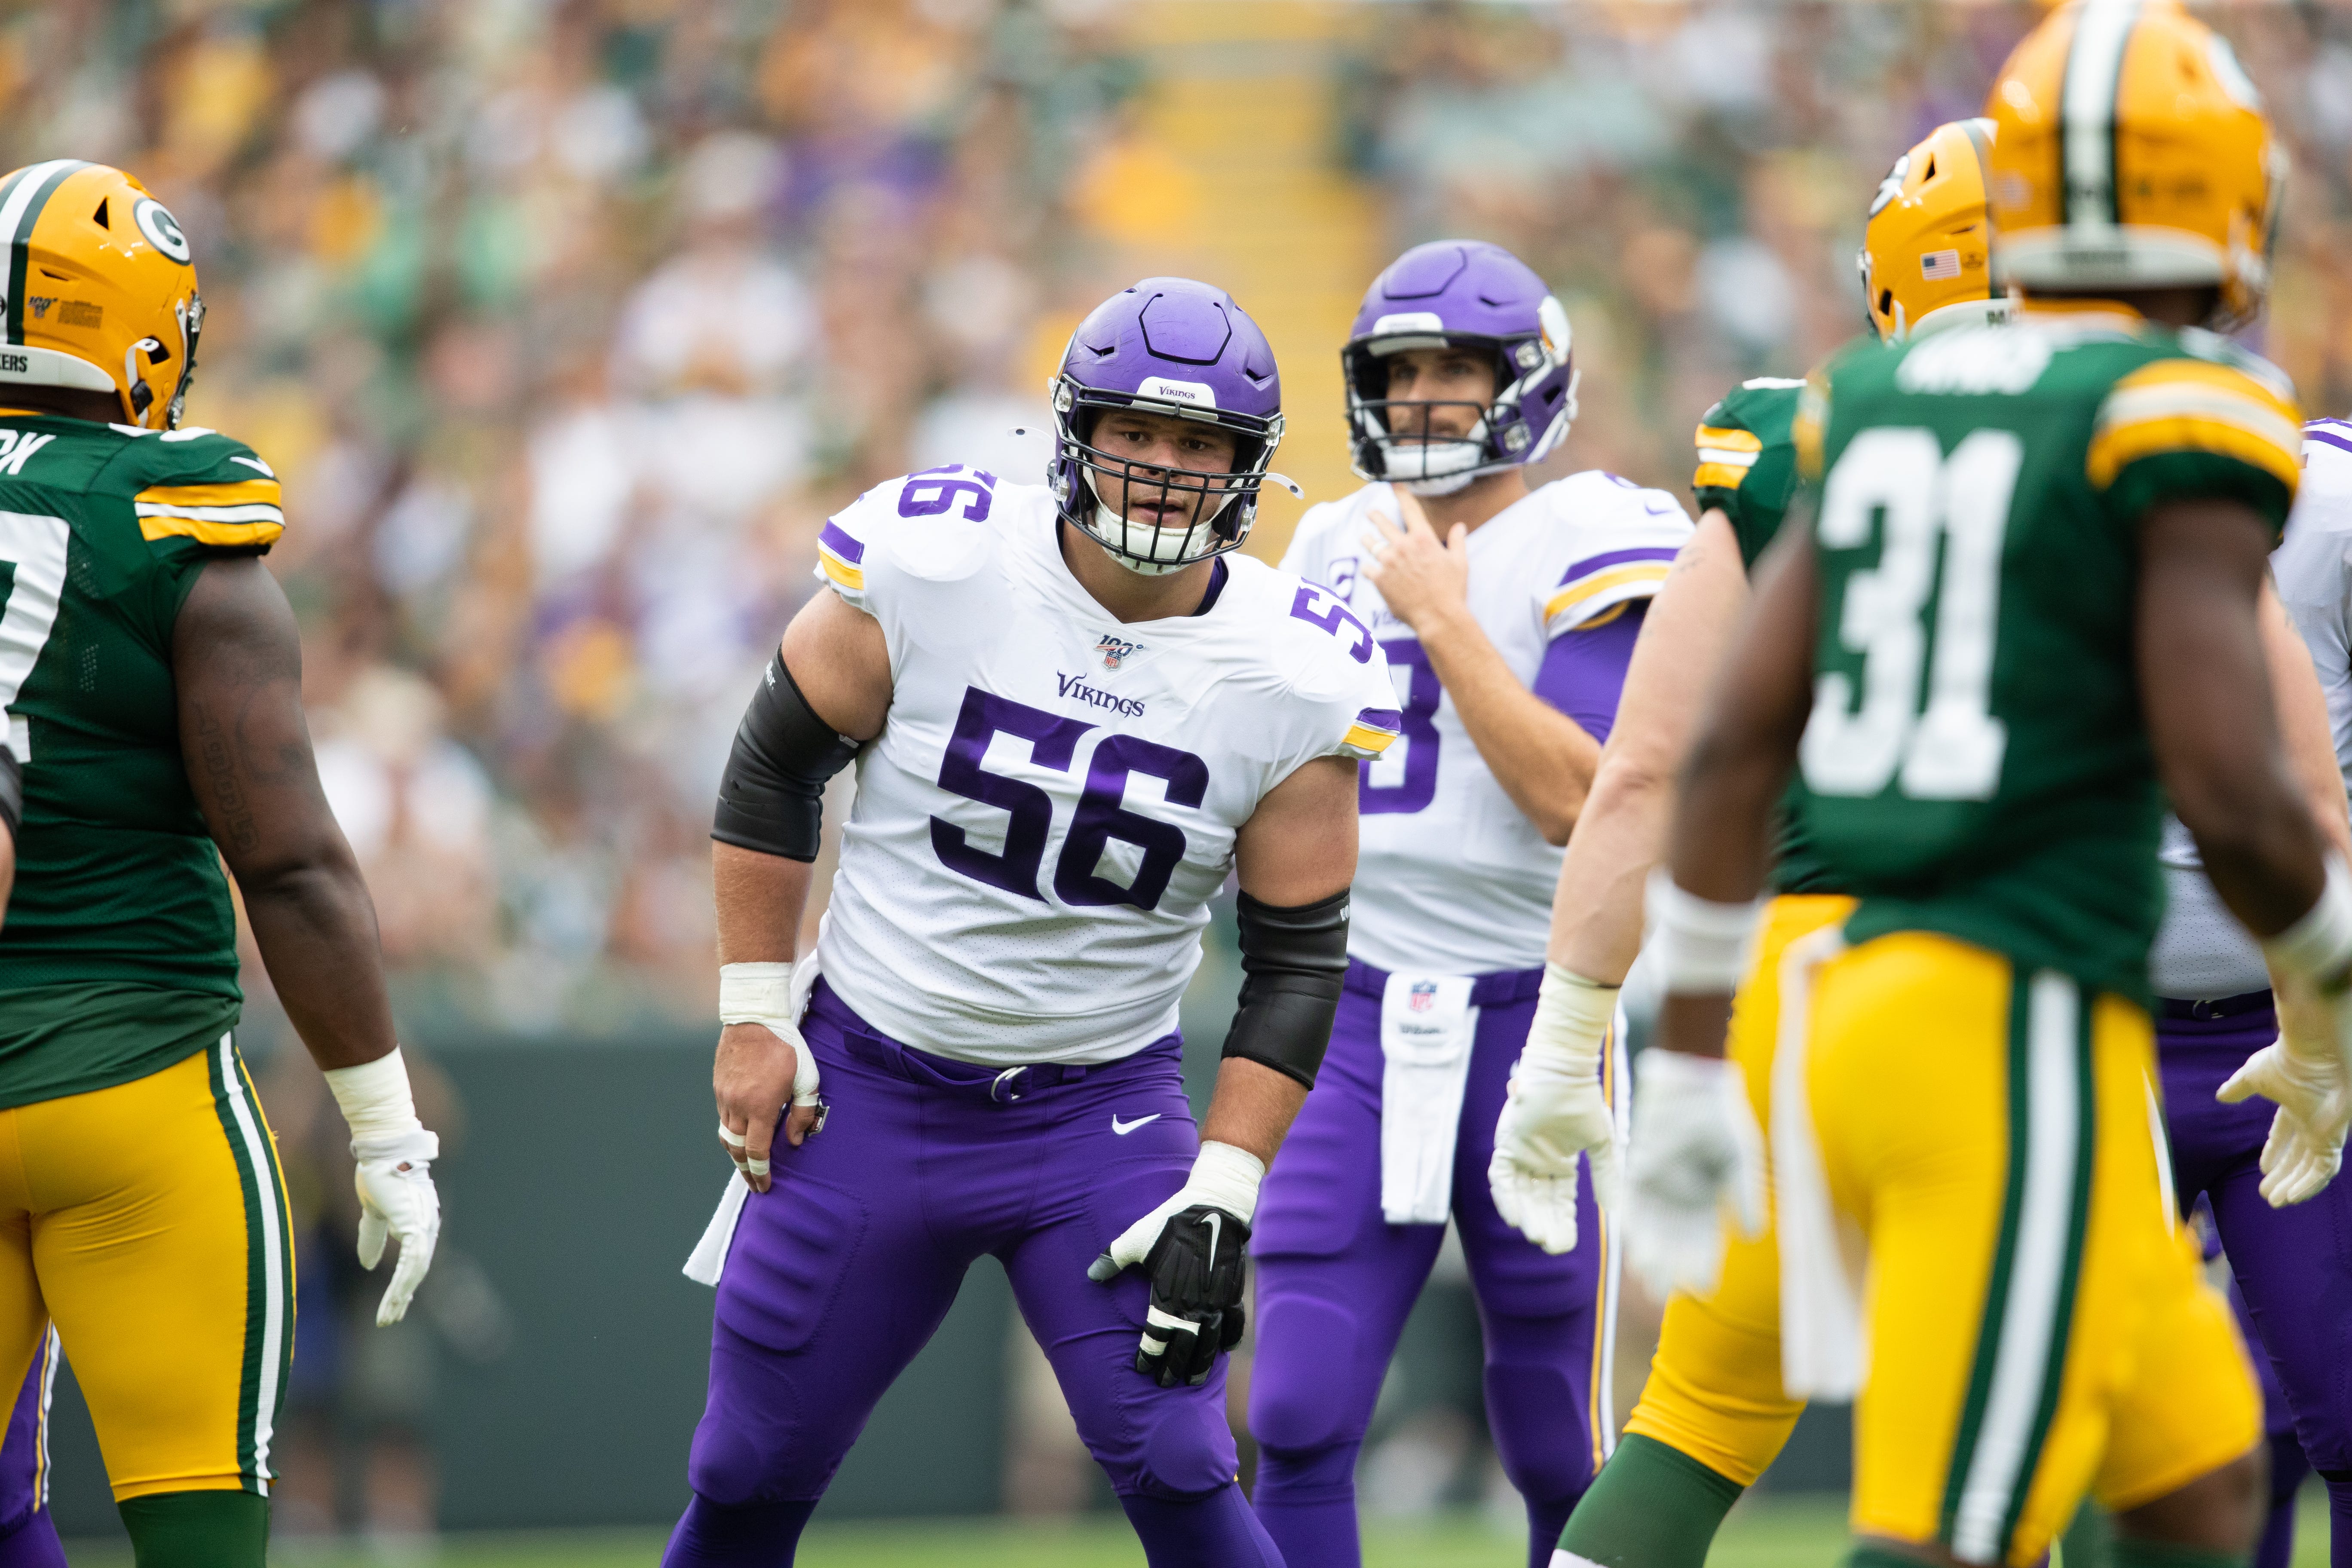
point(755, 993)
point(1228, 1177)
point(1702, 947)
point(381, 1110)
point(2318, 947)
point(1573, 1015)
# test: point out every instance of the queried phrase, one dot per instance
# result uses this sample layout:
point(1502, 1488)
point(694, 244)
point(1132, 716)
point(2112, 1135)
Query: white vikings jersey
point(1451, 877)
point(2201, 951)
point(1054, 796)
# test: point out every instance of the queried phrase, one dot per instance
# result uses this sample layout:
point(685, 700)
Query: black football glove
point(1197, 1266)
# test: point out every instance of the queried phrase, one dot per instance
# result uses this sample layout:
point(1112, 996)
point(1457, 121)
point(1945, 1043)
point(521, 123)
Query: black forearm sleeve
point(1293, 962)
point(771, 797)
point(12, 790)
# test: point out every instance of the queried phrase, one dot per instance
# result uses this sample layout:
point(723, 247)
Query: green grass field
point(1767, 1533)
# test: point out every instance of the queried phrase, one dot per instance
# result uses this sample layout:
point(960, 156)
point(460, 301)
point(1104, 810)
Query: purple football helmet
point(1458, 293)
point(1168, 345)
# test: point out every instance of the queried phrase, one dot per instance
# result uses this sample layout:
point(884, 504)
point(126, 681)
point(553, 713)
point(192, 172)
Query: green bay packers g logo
point(162, 231)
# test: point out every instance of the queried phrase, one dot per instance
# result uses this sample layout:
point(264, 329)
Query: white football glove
point(1555, 1112)
point(1696, 1151)
point(395, 1177)
point(397, 1199)
point(2309, 1071)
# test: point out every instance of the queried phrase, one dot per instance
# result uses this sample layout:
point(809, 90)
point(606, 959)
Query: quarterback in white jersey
point(1508, 617)
point(1074, 712)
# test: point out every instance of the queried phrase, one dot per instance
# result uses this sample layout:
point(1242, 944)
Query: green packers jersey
point(1747, 471)
point(118, 955)
point(1747, 462)
point(1976, 763)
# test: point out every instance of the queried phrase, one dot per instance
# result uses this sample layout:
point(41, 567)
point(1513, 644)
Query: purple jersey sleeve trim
point(1592, 564)
point(2327, 438)
point(1584, 670)
point(835, 538)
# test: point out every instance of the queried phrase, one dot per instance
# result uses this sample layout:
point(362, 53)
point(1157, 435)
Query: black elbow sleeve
point(1293, 962)
point(771, 797)
point(12, 791)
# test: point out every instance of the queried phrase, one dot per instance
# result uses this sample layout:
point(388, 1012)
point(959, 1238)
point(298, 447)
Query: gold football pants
point(149, 1221)
point(1714, 1391)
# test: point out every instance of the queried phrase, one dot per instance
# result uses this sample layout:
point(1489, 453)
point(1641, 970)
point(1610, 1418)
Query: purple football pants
point(1335, 1281)
point(2293, 1266)
point(28, 1538)
point(842, 1272)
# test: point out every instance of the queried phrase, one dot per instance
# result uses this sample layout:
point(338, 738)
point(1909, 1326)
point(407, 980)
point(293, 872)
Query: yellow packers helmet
point(101, 294)
point(2133, 154)
point(1927, 250)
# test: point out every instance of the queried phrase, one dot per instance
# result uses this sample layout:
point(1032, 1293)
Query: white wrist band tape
point(1573, 1015)
point(2318, 947)
point(1227, 1177)
point(381, 1110)
point(755, 993)
point(1702, 947)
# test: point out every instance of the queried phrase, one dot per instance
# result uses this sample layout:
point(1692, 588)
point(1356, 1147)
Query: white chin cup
point(1150, 551)
point(1445, 486)
point(1420, 462)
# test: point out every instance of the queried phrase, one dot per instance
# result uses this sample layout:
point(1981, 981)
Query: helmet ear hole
point(1886, 301)
point(99, 217)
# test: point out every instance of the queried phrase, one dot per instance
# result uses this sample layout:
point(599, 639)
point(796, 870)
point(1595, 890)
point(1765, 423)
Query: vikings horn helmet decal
point(1458, 293)
point(101, 294)
point(1167, 346)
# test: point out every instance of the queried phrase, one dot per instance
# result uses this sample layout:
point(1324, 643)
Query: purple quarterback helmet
point(1167, 346)
point(1467, 294)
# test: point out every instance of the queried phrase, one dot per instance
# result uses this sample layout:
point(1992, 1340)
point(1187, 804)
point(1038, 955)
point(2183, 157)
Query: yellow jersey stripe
point(1575, 593)
point(1729, 438)
point(1715, 476)
point(256, 512)
point(1364, 738)
point(2112, 449)
point(239, 492)
point(841, 572)
point(2144, 405)
point(231, 535)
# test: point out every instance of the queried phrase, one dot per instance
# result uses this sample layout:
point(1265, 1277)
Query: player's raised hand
point(1195, 1249)
point(2308, 1070)
point(1696, 1153)
point(759, 1069)
point(1555, 1112)
point(1420, 577)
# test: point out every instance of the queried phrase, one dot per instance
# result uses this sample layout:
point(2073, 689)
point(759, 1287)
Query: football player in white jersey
point(1074, 711)
point(1507, 616)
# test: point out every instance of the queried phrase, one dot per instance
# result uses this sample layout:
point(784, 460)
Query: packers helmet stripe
point(18, 213)
point(2086, 115)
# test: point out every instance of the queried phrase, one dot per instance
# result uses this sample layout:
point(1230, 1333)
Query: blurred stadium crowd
point(568, 320)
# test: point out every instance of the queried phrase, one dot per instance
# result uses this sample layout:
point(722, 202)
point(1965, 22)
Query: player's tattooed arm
point(841, 666)
point(2305, 726)
point(236, 663)
point(1543, 759)
point(2206, 690)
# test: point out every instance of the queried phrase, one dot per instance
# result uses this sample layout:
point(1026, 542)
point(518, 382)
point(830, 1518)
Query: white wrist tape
point(1573, 1015)
point(2318, 947)
point(1702, 947)
point(1227, 1177)
point(762, 994)
point(755, 993)
point(381, 1110)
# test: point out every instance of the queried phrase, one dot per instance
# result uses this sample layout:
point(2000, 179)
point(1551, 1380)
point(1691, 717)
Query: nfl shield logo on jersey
point(1116, 650)
point(1423, 996)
